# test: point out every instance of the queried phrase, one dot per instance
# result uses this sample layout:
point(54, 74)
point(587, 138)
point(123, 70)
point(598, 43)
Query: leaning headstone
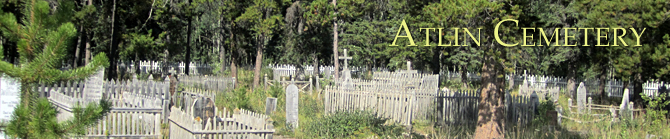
point(93, 87)
point(9, 97)
point(270, 105)
point(581, 97)
point(292, 105)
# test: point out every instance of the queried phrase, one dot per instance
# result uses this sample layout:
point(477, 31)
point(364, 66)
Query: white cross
point(346, 59)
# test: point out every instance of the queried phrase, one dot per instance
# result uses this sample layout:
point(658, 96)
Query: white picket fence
point(137, 106)
point(214, 83)
point(179, 68)
point(239, 124)
point(285, 70)
point(461, 108)
point(402, 99)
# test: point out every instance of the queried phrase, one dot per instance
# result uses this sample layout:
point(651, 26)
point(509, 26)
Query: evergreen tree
point(42, 37)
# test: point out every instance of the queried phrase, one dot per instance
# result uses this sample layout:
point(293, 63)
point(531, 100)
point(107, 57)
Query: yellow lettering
point(495, 32)
point(637, 36)
point(408, 35)
point(525, 37)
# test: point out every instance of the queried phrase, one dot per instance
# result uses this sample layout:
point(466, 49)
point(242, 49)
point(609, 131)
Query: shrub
point(351, 124)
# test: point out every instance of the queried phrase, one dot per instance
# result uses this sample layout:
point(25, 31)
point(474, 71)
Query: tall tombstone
point(581, 97)
point(624, 101)
point(292, 97)
point(93, 87)
point(9, 97)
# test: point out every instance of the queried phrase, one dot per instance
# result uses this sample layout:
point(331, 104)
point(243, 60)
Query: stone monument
point(292, 98)
point(581, 97)
point(93, 87)
point(9, 97)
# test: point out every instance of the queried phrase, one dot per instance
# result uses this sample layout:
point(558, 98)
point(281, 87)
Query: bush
point(352, 124)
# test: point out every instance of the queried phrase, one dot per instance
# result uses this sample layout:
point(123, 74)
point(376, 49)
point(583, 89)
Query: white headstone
point(9, 97)
point(581, 96)
point(524, 89)
point(624, 101)
point(93, 87)
point(292, 97)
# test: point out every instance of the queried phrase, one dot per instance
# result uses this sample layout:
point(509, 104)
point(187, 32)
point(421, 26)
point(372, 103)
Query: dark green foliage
point(350, 124)
point(42, 40)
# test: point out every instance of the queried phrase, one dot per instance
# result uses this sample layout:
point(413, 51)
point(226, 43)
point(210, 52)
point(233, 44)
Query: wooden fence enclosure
point(461, 108)
point(239, 124)
point(401, 97)
point(137, 106)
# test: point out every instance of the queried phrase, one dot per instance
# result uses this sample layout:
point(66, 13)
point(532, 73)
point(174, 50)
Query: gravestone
point(524, 89)
point(292, 97)
point(581, 97)
point(346, 72)
point(270, 105)
point(327, 72)
point(9, 97)
point(624, 101)
point(93, 87)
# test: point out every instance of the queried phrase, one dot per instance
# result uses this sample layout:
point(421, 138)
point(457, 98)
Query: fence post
point(630, 107)
point(166, 99)
point(265, 82)
point(311, 86)
point(570, 104)
point(269, 126)
point(590, 103)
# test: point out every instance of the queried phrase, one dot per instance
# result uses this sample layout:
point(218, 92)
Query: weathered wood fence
point(402, 100)
point(239, 124)
point(461, 108)
point(137, 111)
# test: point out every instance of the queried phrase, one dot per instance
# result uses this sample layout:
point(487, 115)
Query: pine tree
point(42, 38)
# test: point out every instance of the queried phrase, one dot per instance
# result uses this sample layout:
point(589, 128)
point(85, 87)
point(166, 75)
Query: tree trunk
point(233, 55)
point(87, 40)
point(335, 56)
point(601, 87)
point(76, 51)
point(572, 71)
point(111, 72)
point(490, 121)
point(464, 76)
point(437, 56)
point(188, 46)
point(259, 61)
point(222, 51)
point(637, 87)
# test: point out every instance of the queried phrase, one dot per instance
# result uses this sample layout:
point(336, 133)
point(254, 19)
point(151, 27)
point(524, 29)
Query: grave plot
point(539, 90)
point(224, 125)
point(460, 107)
point(138, 107)
point(401, 97)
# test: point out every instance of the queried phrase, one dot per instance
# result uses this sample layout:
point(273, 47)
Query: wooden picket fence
point(128, 124)
point(137, 106)
point(402, 100)
point(214, 83)
point(461, 108)
point(239, 124)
